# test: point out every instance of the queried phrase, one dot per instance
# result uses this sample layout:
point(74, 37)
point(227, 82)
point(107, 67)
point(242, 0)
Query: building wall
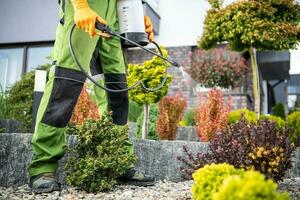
point(24, 21)
point(185, 86)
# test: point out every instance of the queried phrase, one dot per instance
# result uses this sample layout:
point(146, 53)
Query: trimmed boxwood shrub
point(293, 121)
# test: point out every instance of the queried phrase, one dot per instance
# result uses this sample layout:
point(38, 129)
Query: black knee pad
point(66, 89)
point(118, 102)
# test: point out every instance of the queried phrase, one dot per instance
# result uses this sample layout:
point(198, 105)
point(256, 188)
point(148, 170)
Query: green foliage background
point(135, 111)
point(152, 134)
point(20, 99)
point(293, 121)
point(279, 111)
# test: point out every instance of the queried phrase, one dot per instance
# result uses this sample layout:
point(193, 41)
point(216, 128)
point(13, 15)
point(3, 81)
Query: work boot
point(133, 177)
point(44, 183)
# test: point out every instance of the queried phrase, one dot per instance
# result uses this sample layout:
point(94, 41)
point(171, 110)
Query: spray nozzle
point(175, 64)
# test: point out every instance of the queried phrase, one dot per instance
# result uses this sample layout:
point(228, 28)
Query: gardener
point(66, 81)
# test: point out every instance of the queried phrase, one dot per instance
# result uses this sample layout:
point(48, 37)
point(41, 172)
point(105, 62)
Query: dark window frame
point(25, 47)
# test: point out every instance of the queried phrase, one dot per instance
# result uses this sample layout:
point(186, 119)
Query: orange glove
point(149, 28)
point(85, 18)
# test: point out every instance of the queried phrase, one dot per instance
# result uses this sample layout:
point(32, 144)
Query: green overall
point(66, 81)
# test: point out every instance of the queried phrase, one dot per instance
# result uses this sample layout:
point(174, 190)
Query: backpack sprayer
point(132, 34)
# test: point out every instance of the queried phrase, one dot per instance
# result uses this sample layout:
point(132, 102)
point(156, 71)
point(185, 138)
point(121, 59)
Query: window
point(11, 61)
point(37, 56)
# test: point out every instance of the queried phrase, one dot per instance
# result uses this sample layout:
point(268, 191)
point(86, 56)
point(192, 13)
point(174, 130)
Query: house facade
point(28, 33)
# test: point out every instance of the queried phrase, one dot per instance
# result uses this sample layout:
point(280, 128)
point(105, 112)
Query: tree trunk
point(145, 122)
point(255, 80)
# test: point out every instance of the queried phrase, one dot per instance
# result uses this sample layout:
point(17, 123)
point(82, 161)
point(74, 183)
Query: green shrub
point(293, 121)
point(4, 104)
point(135, 111)
point(152, 135)
point(20, 98)
point(280, 123)
point(279, 111)
point(151, 73)
point(208, 179)
point(100, 156)
point(189, 117)
point(236, 115)
point(250, 186)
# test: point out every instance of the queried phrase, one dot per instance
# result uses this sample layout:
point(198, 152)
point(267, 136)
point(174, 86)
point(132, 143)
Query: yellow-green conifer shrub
point(236, 115)
point(280, 123)
point(208, 179)
point(250, 186)
point(151, 73)
point(293, 121)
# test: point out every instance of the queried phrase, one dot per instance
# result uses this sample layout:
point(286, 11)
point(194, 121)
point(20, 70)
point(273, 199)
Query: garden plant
point(278, 110)
point(84, 109)
point(100, 156)
point(153, 114)
point(151, 73)
point(224, 182)
point(209, 178)
point(211, 115)
point(293, 121)
point(250, 185)
point(171, 110)
point(253, 25)
point(260, 146)
point(218, 67)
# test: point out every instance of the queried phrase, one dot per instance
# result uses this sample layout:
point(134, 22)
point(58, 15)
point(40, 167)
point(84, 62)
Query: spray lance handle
point(105, 28)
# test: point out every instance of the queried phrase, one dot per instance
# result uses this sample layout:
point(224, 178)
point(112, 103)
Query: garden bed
point(157, 158)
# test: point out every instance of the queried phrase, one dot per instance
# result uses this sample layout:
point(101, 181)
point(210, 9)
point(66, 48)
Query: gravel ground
point(161, 190)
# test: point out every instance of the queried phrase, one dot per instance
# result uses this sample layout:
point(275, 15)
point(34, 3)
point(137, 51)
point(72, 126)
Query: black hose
point(136, 44)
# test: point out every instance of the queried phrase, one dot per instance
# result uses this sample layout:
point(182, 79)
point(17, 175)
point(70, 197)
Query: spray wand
point(106, 29)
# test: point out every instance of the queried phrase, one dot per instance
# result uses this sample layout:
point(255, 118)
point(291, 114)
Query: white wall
point(181, 21)
point(295, 61)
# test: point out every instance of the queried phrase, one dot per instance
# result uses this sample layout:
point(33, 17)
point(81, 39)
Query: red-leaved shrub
point(85, 109)
point(171, 111)
point(258, 146)
point(219, 67)
point(211, 116)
